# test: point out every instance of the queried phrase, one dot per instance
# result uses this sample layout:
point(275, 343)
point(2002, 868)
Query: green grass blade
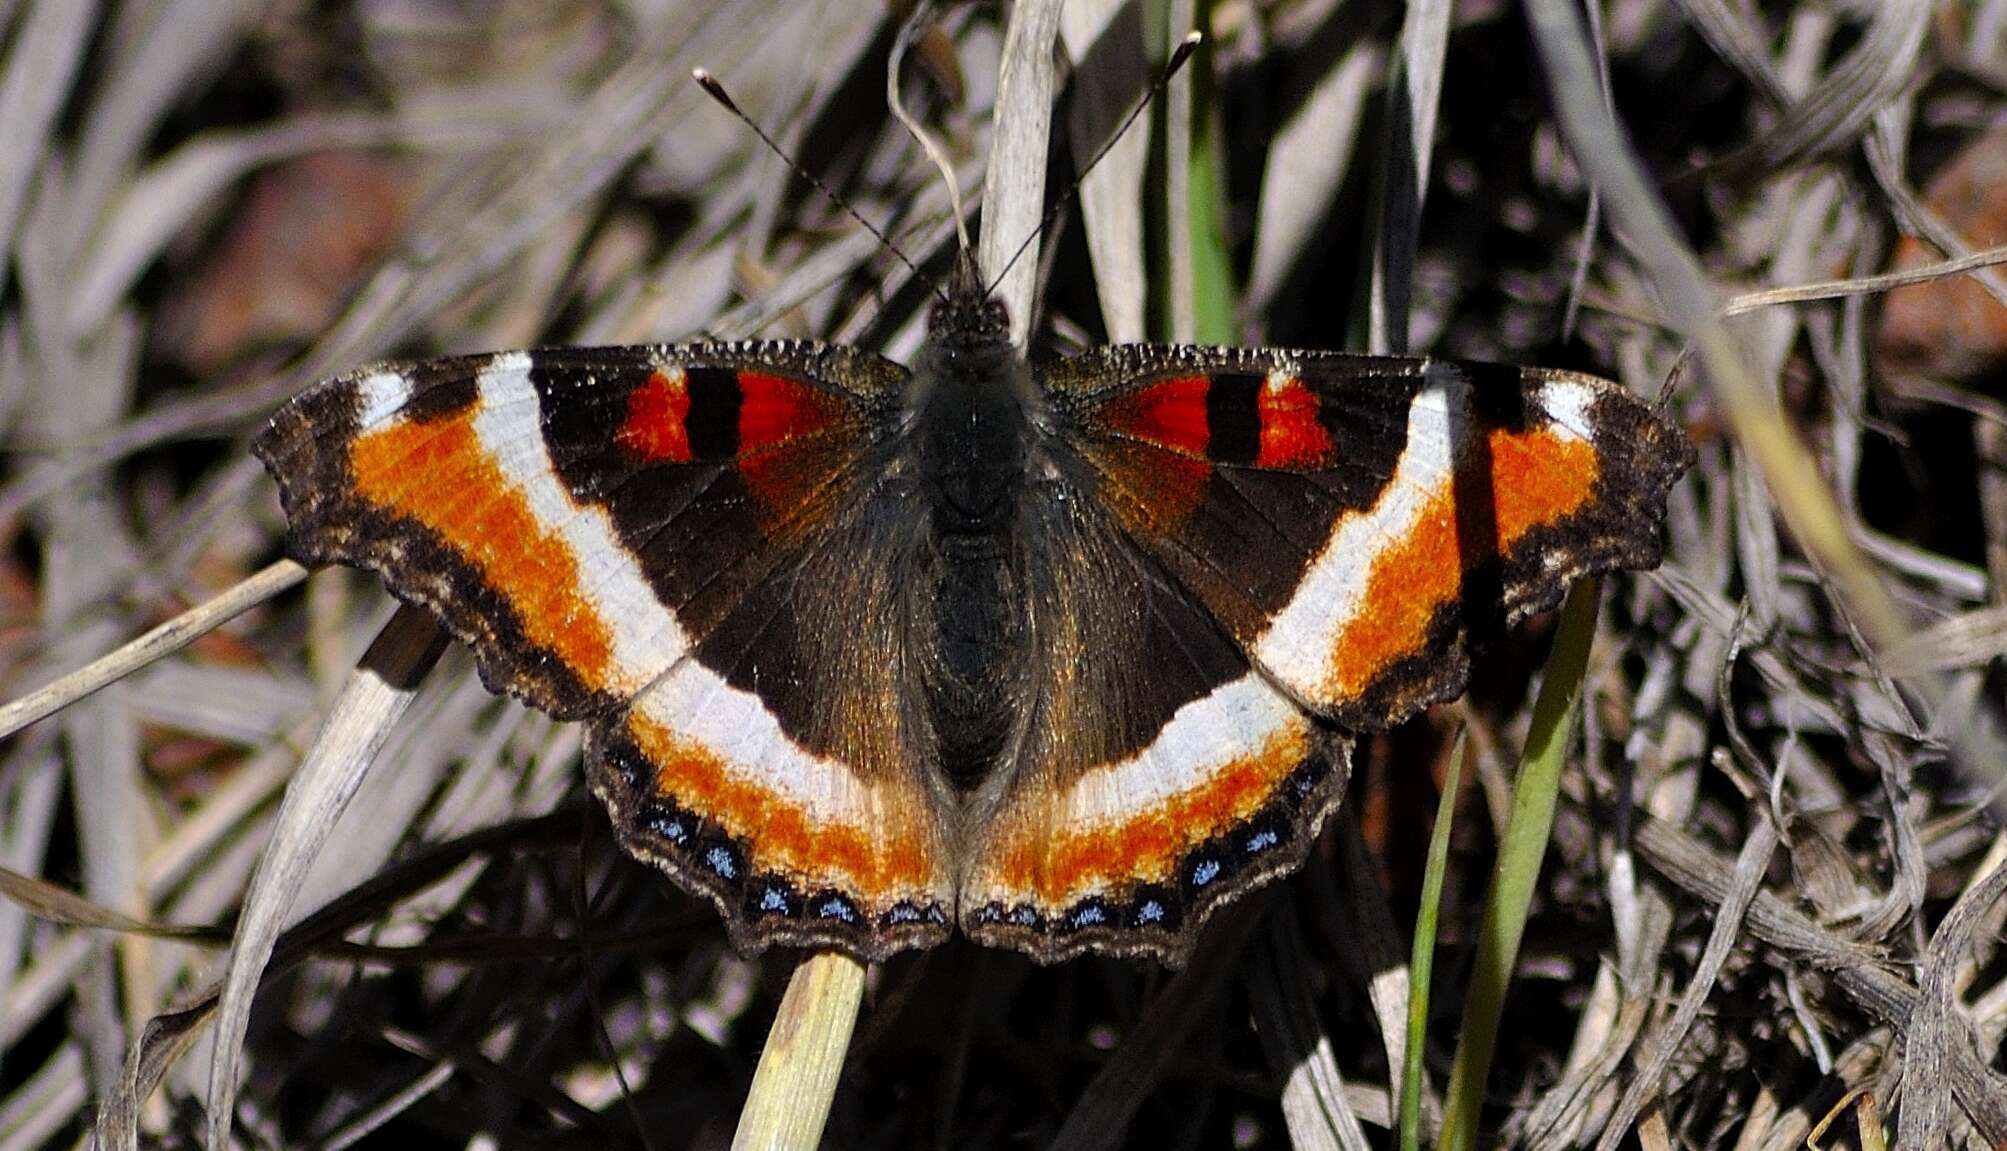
point(1519, 859)
point(1190, 243)
point(1422, 961)
point(1213, 293)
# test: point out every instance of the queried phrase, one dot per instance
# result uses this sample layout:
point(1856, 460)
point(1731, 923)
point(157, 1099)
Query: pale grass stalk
point(377, 693)
point(164, 640)
point(803, 1059)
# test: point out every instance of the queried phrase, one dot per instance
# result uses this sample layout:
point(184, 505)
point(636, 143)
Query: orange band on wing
point(1146, 847)
point(1291, 434)
point(881, 862)
point(438, 474)
point(657, 425)
point(1537, 478)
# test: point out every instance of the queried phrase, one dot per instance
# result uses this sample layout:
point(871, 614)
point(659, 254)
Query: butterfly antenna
point(1179, 55)
point(717, 92)
point(920, 135)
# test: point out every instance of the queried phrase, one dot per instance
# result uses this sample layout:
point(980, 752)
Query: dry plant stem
point(798, 1070)
point(164, 640)
point(1014, 187)
point(803, 1058)
point(376, 695)
point(1863, 285)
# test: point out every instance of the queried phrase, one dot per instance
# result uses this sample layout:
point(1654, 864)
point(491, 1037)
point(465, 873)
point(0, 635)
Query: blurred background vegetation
point(1770, 900)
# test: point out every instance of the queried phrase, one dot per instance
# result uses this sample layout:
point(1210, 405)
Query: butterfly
point(1064, 655)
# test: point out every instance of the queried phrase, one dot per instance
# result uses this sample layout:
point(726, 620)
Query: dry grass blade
point(1694, 869)
point(514, 173)
point(35, 79)
point(803, 1057)
point(1736, 42)
point(1311, 157)
point(1014, 189)
point(1859, 972)
point(1178, 299)
point(160, 1044)
point(1298, 1050)
point(379, 691)
point(1937, 1032)
point(54, 904)
point(1671, 1038)
point(1641, 218)
point(1104, 39)
point(166, 1038)
point(162, 641)
point(162, 202)
point(1789, 470)
point(1862, 285)
point(35, 1113)
point(1972, 639)
point(1834, 114)
point(1410, 139)
point(1379, 949)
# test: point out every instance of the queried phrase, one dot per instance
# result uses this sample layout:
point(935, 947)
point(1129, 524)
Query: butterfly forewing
point(1357, 522)
point(589, 520)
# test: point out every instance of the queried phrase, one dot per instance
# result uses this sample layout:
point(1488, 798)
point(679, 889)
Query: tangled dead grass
point(1769, 910)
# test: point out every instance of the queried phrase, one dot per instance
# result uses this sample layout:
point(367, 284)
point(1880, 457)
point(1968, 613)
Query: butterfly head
point(966, 317)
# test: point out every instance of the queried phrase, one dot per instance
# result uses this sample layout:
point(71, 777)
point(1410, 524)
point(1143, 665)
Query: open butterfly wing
point(600, 525)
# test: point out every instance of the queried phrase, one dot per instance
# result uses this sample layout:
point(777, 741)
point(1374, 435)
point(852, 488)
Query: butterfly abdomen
point(976, 625)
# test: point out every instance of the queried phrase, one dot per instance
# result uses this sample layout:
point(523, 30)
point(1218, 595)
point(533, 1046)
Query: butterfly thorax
point(971, 427)
point(971, 433)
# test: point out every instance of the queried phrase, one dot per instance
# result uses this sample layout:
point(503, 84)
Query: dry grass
point(1771, 904)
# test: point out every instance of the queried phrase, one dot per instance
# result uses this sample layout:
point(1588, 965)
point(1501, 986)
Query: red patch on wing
point(880, 863)
point(1057, 866)
point(1170, 414)
point(1291, 434)
point(776, 412)
point(657, 425)
point(1537, 478)
point(776, 409)
point(439, 474)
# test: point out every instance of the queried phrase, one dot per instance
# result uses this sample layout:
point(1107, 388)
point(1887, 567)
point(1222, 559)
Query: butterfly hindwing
point(1156, 775)
point(824, 830)
point(590, 522)
point(1358, 523)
